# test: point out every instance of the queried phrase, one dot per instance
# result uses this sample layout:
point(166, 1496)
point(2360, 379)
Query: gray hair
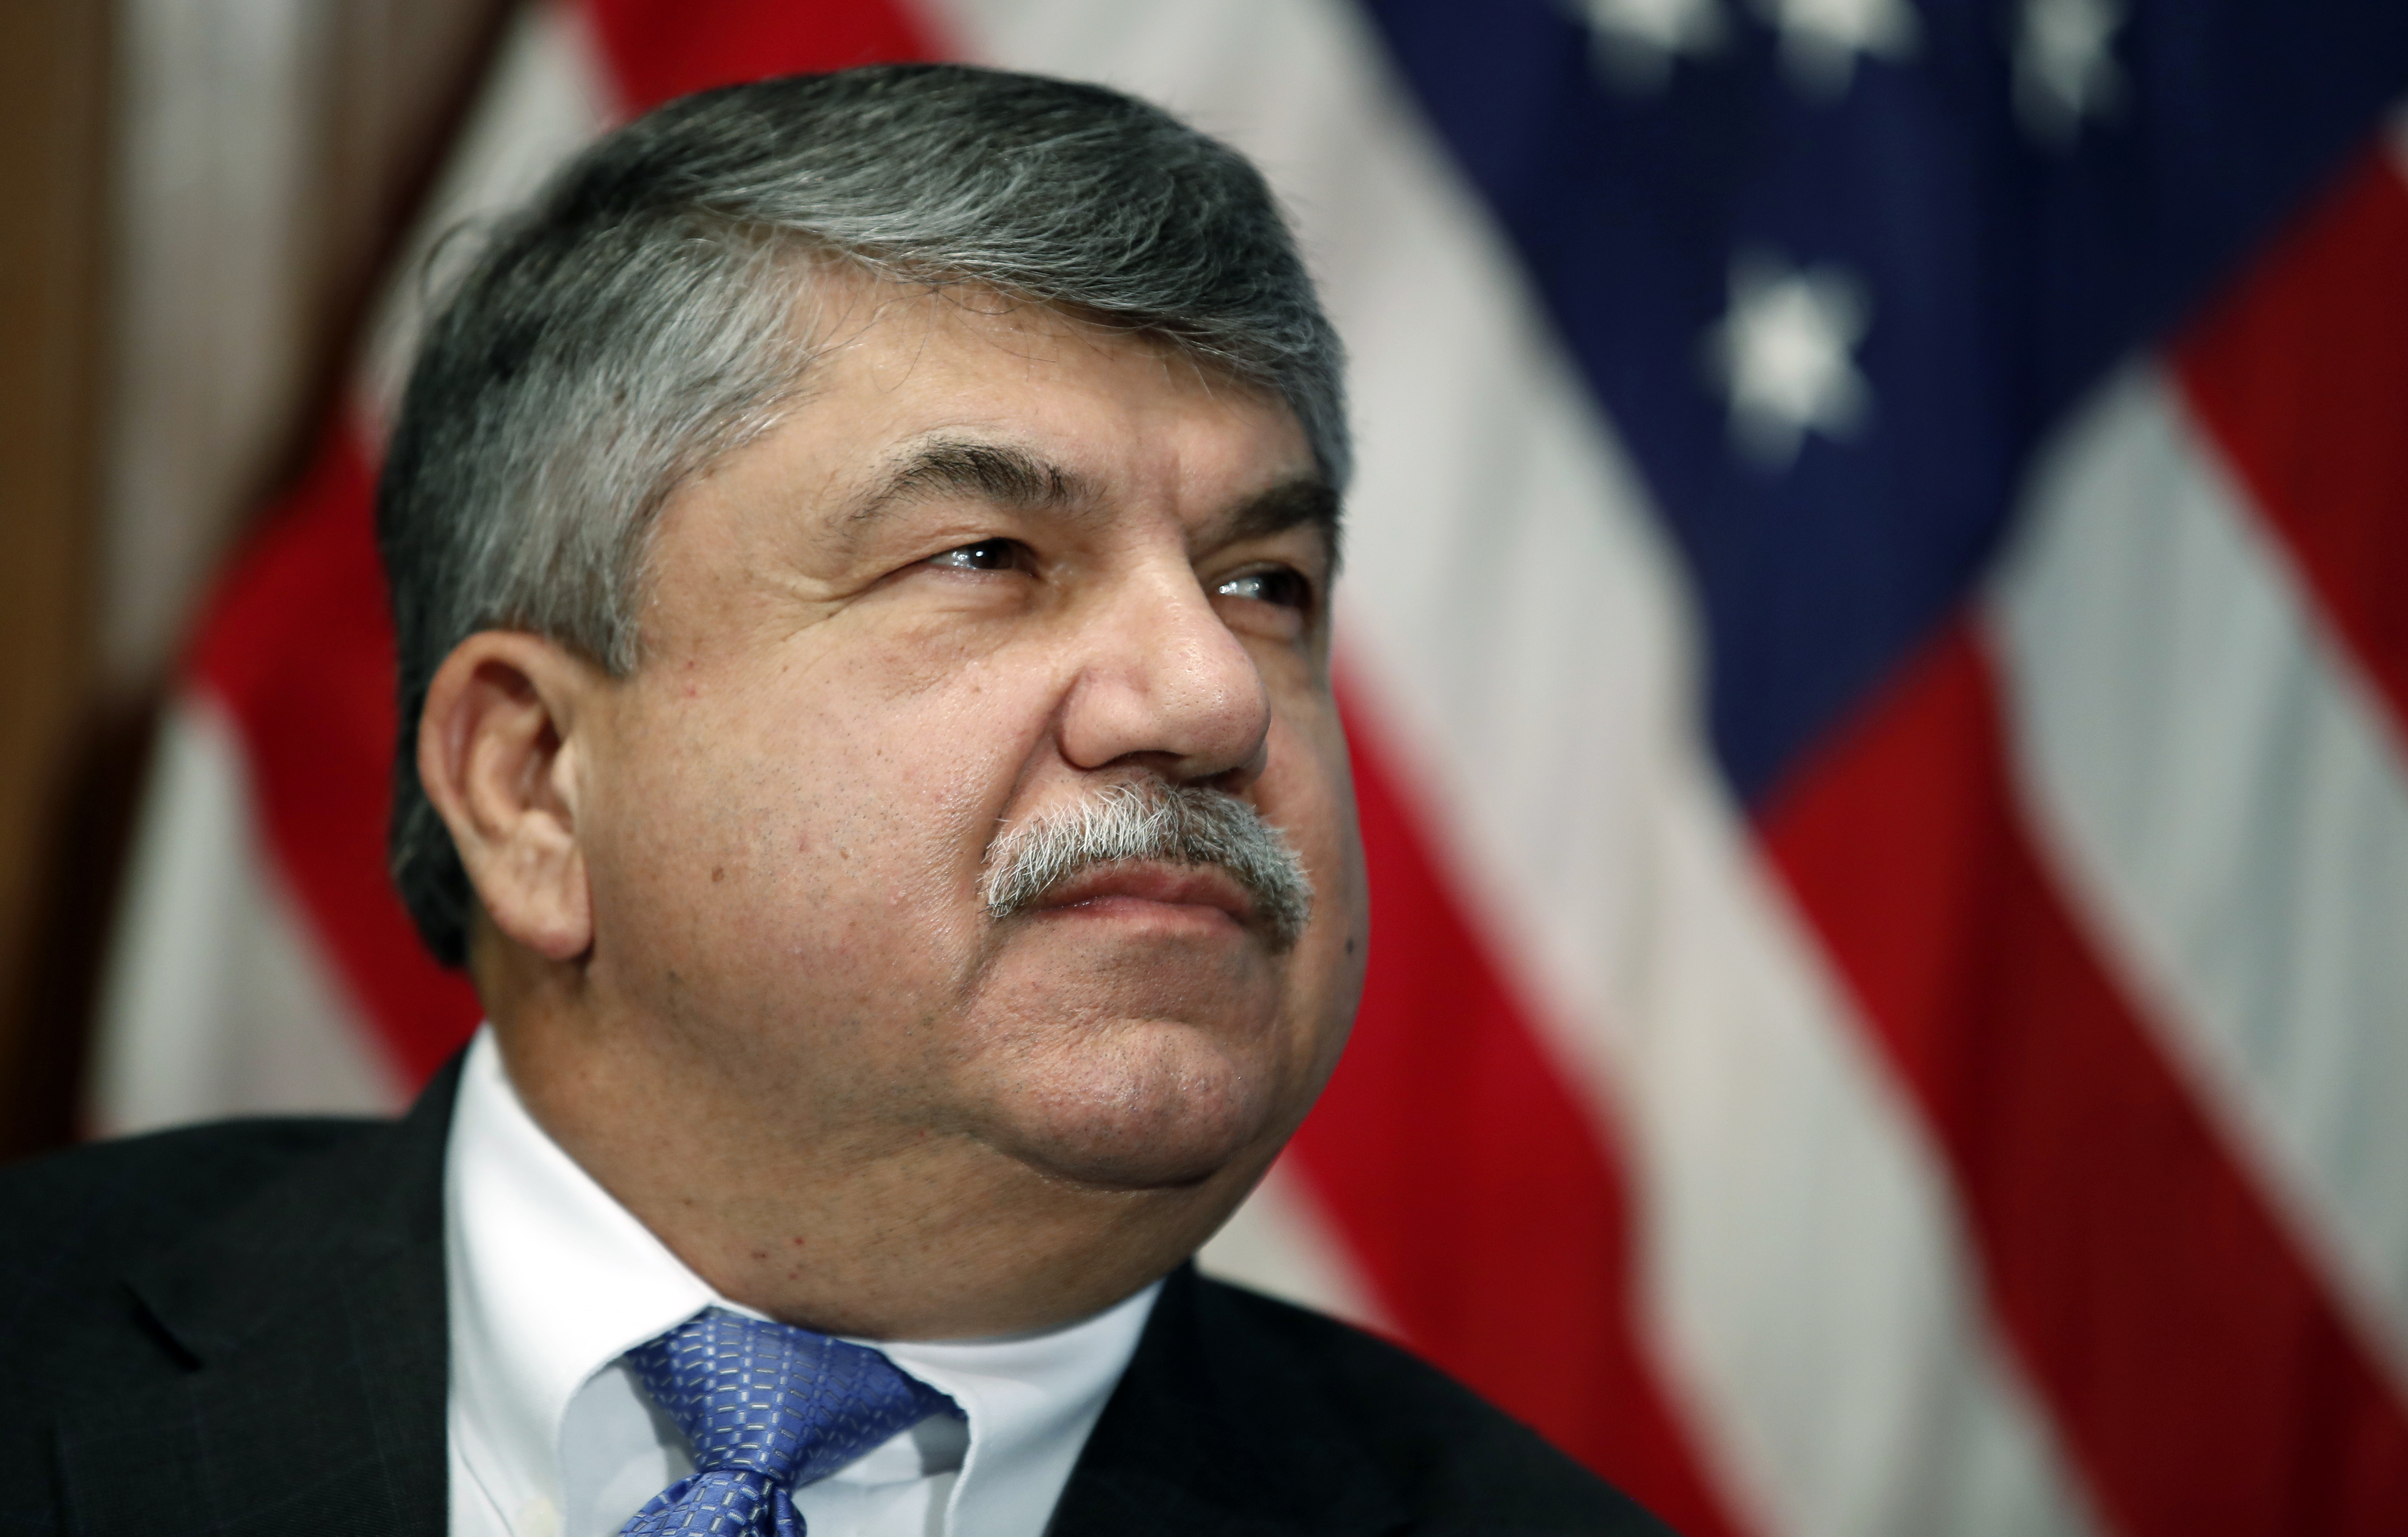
point(639, 320)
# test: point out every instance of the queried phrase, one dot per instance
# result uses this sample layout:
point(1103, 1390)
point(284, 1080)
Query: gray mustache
point(1149, 820)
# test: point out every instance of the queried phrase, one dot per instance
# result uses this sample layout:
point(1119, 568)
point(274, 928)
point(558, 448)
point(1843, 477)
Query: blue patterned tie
point(768, 1407)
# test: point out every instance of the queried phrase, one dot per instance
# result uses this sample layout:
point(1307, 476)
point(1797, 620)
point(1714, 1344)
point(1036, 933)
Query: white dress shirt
point(551, 1281)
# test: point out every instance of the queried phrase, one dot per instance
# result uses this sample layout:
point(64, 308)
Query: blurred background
point(1873, 642)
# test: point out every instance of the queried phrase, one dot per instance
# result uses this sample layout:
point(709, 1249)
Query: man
point(861, 548)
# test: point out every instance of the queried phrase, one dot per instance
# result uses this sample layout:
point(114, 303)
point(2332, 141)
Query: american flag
point(1875, 649)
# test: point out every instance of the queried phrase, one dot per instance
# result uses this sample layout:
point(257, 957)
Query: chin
point(1157, 1105)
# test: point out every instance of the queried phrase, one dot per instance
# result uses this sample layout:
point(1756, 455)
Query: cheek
point(1308, 789)
point(1314, 801)
point(820, 824)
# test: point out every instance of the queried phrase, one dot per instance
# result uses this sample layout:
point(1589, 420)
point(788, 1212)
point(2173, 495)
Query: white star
point(2063, 69)
point(1782, 355)
point(1638, 40)
point(1820, 39)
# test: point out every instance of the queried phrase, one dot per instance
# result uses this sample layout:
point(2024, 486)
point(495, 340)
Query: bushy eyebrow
point(992, 472)
point(1013, 477)
point(1304, 501)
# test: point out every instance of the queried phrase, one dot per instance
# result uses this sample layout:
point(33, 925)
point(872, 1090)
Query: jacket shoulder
point(1456, 1457)
point(1241, 1413)
point(239, 1300)
point(72, 1223)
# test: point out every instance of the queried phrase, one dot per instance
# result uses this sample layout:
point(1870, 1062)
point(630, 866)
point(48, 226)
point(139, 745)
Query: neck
point(836, 1222)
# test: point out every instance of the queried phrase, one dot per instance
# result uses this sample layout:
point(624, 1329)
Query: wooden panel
point(53, 114)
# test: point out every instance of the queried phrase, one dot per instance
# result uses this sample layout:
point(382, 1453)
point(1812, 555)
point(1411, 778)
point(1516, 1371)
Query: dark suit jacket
point(240, 1329)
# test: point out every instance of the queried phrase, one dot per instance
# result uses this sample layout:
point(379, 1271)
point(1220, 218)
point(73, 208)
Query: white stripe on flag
point(220, 1000)
point(213, 181)
point(2224, 792)
point(1509, 608)
point(549, 94)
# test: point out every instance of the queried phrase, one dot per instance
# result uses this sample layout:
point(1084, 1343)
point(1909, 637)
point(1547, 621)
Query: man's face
point(995, 565)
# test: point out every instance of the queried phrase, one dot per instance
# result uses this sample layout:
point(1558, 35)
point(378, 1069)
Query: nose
point(1163, 685)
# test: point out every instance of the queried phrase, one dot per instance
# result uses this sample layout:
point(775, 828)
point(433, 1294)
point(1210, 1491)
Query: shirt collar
point(551, 1281)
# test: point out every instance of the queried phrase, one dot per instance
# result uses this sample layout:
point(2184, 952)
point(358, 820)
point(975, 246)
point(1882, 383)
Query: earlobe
point(498, 753)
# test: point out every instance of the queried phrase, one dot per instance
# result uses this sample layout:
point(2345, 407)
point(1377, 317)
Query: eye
point(986, 555)
point(1277, 585)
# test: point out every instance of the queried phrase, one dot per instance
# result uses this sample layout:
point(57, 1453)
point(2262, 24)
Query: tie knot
point(775, 1400)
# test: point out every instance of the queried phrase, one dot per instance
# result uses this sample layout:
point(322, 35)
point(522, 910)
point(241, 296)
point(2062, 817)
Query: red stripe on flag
point(2195, 1365)
point(2300, 375)
point(1478, 1193)
point(299, 645)
point(660, 48)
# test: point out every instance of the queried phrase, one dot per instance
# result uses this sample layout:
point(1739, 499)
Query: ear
point(499, 755)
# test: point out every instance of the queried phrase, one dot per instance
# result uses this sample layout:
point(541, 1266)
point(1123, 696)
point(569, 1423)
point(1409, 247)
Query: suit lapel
point(1210, 1432)
point(312, 1327)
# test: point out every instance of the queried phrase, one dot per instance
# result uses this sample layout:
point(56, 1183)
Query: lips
point(1144, 881)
